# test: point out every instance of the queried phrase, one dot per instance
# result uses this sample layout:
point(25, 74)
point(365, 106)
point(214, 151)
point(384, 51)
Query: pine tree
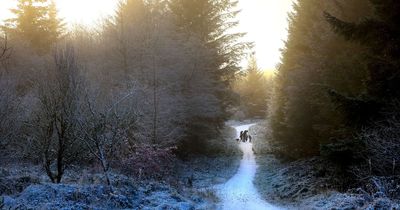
point(209, 21)
point(205, 23)
point(54, 25)
point(37, 23)
point(253, 90)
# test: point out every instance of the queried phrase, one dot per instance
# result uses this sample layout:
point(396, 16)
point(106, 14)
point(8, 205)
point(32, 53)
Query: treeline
point(337, 89)
point(154, 78)
point(253, 88)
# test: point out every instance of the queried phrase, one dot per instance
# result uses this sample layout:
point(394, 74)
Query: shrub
point(344, 153)
point(382, 146)
point(149, 162)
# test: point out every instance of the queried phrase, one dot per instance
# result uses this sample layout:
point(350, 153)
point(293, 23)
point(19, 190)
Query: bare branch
point(5, 50)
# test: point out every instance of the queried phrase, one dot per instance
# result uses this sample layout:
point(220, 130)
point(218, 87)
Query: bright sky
point(265, 21)
point(73, 11)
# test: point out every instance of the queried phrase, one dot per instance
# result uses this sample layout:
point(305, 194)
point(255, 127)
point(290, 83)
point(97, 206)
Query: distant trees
point(5, 49)
point(254, 90)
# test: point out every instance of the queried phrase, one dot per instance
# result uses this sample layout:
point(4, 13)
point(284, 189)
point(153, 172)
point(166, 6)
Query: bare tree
point(382, 146)
point(106, 128)
point(54, 125)
point(9, 106)
point(5, 49)
point(9, 102)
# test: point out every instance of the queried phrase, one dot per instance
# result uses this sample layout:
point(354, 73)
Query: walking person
point(241, 135)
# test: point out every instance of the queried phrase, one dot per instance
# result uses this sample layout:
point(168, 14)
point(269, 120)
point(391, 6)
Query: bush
point(344, 153)
point(382, 149)
point(383, 187)
point(149, 163)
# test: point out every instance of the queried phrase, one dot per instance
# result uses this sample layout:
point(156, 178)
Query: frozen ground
point(239, 192)
point(25, 186)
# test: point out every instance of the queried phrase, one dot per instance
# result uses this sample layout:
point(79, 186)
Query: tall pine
point(211, 21)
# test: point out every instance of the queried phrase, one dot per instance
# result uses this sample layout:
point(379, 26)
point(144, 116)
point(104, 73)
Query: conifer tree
point(37, 23)
point(253, 90)
point(55, 25)
point(381, 35)
point(209, 21)
point(317, 65)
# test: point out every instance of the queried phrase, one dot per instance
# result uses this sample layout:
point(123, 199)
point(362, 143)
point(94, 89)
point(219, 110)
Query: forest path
point(239, 193)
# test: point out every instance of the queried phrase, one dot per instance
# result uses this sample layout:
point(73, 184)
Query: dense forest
point(160, 81)
point(157, 74)
point(336, 92)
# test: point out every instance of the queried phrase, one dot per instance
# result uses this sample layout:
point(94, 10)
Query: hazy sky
point(265, 21)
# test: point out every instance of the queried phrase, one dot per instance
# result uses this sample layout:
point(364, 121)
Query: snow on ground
point(308, 183)
point(239, 192)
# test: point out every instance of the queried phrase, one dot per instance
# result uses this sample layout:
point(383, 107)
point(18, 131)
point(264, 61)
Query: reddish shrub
point(148, 162)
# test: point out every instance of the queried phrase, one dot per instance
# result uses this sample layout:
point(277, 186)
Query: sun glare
point(87, 12)
point(265, 22)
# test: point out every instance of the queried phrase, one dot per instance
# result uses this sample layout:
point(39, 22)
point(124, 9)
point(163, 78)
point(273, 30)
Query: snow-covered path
point(239, 193)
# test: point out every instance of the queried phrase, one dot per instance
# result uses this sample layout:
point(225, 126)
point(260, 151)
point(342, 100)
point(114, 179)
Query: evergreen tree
point(253, 90)
point(37, 23)
point(54, 25)
point(381, 35)
point(209, 21)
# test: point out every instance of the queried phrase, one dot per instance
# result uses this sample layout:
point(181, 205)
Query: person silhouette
point(245, 136)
